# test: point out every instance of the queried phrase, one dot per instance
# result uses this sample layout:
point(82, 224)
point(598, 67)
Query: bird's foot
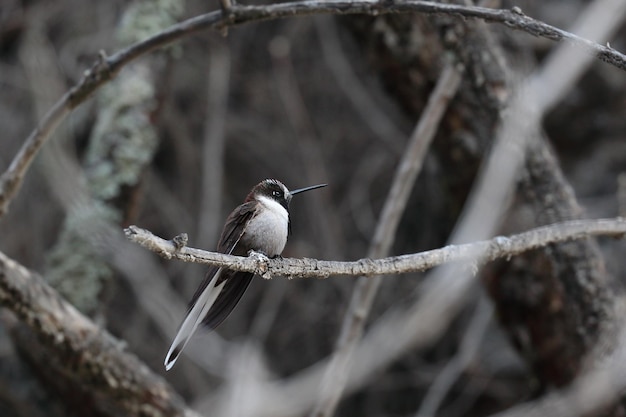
point(262, 261)
point(257, 254)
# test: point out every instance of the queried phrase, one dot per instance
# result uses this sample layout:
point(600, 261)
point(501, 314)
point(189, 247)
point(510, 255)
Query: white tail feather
point(193, 319)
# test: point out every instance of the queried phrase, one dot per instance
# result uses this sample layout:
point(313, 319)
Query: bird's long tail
point(193, 319)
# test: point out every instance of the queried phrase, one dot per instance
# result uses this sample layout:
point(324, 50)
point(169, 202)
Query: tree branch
point(106, 67)
point(476, 252)
point(83, 352)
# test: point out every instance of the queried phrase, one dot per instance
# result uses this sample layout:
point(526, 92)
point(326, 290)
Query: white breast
point(267, 231)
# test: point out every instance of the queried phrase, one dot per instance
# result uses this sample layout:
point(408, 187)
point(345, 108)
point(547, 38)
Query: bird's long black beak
point(301, 190)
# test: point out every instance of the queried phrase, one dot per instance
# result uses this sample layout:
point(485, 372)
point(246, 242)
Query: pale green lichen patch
point(74, 267)
point(144, 19)
point(124, 139)
point(122, 143)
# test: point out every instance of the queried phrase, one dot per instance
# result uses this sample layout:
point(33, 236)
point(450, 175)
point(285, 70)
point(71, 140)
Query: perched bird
point(260, 224)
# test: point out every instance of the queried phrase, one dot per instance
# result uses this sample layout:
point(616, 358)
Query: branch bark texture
point(84, 353)
point(556, 304)
point(477, 252)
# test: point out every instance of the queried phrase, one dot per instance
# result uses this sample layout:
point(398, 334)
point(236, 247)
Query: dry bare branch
point(86, 354)
point(499, 247)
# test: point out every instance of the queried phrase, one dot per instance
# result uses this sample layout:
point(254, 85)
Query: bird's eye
point(276, 193)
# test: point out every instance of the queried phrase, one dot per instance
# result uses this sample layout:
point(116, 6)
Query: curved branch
point(106, 67)
point(476, 252)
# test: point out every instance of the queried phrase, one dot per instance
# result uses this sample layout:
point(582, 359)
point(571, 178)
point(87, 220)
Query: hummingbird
point(260, 224)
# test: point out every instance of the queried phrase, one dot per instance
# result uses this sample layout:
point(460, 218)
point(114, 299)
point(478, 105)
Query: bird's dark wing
point(231, 234)
point(236, 283)
point(235, 226)
point(220, 290)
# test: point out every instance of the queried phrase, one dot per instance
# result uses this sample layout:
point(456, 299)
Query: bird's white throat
point(267, 230)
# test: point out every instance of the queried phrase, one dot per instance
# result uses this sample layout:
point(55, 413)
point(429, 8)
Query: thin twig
point(472, 338)
point(492, 249)
point(213, 147)
point(361, 99)
point(107, 66)
point(312, 161)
